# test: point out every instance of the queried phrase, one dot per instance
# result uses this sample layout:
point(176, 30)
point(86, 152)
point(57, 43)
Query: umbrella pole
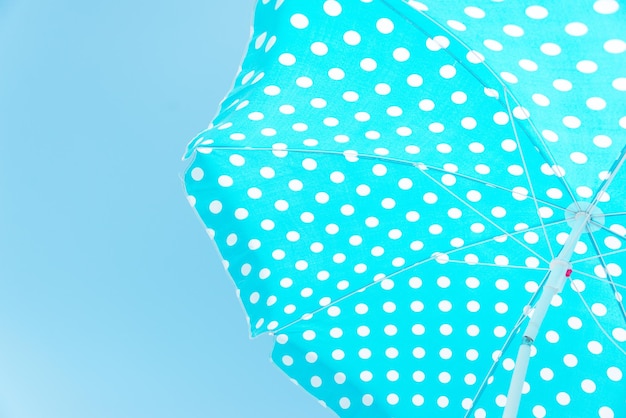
point(560, 270)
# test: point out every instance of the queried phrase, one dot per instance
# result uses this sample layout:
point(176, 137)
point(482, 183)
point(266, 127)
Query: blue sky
point(112, 299)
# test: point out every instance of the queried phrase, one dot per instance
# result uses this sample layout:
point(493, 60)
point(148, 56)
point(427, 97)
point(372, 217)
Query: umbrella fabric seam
point(383, 159)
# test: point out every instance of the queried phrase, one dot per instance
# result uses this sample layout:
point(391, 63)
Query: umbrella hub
point(578, 209)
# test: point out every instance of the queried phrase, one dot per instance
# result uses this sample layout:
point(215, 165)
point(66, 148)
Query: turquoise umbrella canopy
point(403, 190)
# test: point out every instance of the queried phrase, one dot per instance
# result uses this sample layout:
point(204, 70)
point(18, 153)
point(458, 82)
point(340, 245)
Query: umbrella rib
point(382, 159)
point(359, 290)
point(433, 257)
point(546, 149)
point(494, 364)
point(505, 266)
point(614, 214)
point(324, 152)
point(496, 186)
point(485, 217)
point(615, 169)
point(608, 274)
point(504, 347)
point(597, 279)
point(530, 183)
point(498, 265)
point(600, 255)
point(595, 319)
point(515, 328)
point(609, 230)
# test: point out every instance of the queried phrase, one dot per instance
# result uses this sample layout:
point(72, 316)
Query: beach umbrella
point(424, 203)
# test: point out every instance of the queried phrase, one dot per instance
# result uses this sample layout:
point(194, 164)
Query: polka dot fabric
point(388, 181)
point(566, 69)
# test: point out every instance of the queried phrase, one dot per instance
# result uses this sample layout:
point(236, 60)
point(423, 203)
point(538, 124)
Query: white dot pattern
point(565, 66)
point(387, 200)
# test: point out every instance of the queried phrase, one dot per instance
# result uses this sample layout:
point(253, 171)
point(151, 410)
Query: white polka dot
point(536, 12)
point(587, 66)
point(615, 46)
point(588, 386)
point(272, 90)
point(382, 89)
point(336, 74)
point(385, 26)
point(539, 411)
point(368, 64)
point(598, 309)
point(443, 401)
point(332, 8)
point(570, 360)
point(414, 80)
point(501, 118)
point(299, 21)
point(614, 374)
point(270, 43)
point(474, 12)
point(619, 84)
point(546, 374)
point(417, 5)
point(571, 122)
point(606, 412)
point(468, 123)
point(513, 30)
point(260, 40)
point(456, 25)
point(562, 398)
point(528, 65)
point(521, 113)
point(619, 334)
point(344, 403)
point(540, 100)
point(576, 29)
point(596, 103)
point(475, 57)
point(225, 181)
point(401, 54)
point(550, 49)
point(493, 45)
point(578, 157)
point(352, 37)
point(197, 174)
point(606, 6)
point(287, 59)
point(437, 43)
point(562, 85)
point(447, 71)
point(319, 48)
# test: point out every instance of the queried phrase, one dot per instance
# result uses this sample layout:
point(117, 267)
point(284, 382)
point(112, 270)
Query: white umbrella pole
point(560, 269)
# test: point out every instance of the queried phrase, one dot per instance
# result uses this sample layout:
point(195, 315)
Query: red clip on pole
point(568, 273)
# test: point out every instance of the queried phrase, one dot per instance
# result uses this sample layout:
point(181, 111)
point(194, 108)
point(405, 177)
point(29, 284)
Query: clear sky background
point(113, 303)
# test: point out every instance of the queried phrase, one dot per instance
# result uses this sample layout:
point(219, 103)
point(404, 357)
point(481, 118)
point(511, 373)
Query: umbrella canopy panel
point(388, 181)
point(565, 65)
